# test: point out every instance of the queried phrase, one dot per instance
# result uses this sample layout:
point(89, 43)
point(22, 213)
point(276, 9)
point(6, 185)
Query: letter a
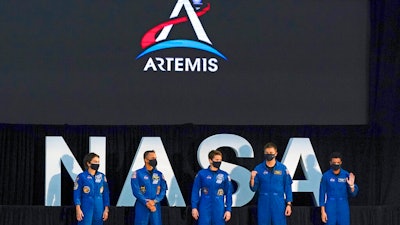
point(300, 149)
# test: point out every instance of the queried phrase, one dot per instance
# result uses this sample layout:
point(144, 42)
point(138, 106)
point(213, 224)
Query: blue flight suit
point(212, 196)
point(274, 190)
point(334, 192)
point(148, 185)
point(92, 194)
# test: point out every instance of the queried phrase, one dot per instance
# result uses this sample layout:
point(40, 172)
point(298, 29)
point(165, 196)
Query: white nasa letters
point(298, 149)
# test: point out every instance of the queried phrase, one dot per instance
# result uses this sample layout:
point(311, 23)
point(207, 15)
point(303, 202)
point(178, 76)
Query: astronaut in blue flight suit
point(212, 193)
point(337, 185)
point(272, 181)
point(91, 194)
point(149, 188)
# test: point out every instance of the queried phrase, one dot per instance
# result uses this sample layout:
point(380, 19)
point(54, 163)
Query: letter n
point(57, 152)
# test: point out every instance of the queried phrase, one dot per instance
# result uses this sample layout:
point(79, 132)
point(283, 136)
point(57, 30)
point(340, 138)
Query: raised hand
point(253, 173)
point(350, 180)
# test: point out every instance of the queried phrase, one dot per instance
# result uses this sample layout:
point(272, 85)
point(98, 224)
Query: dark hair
point(214, 153)
point(270, 145)
point(89, 158)
point(335, 155)
point(147, 152)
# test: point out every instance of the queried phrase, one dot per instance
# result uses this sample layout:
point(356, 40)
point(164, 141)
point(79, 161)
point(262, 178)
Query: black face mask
point(153, 163)
point(94, 166)
point(216, 164)
point(335, 167)
point(269, 157)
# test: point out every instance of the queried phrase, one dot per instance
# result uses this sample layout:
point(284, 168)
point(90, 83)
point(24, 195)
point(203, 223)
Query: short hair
point(335, 155)
point(148, 152)
point(270, 145)
point(89, 158)
point(213, 153)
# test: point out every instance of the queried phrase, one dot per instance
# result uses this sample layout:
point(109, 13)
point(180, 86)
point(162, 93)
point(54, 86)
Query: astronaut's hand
point(105, 215)
point(351, 179)
point(79, 215)
point(153, 208)
point(288, 210)
point(324, 217)
point(227, 216)
point(151, 205)
point(253, 174)
point(195, 214)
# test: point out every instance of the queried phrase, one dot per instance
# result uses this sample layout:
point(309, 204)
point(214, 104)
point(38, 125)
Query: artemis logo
point(151, 43)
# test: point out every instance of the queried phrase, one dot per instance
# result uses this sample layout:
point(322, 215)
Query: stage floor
point(302, 215)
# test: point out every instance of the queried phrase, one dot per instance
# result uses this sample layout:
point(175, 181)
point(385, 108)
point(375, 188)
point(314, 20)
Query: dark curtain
point(385, 67)
point(385, 97)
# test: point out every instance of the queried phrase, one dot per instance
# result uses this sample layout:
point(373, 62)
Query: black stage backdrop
point(370, 151)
